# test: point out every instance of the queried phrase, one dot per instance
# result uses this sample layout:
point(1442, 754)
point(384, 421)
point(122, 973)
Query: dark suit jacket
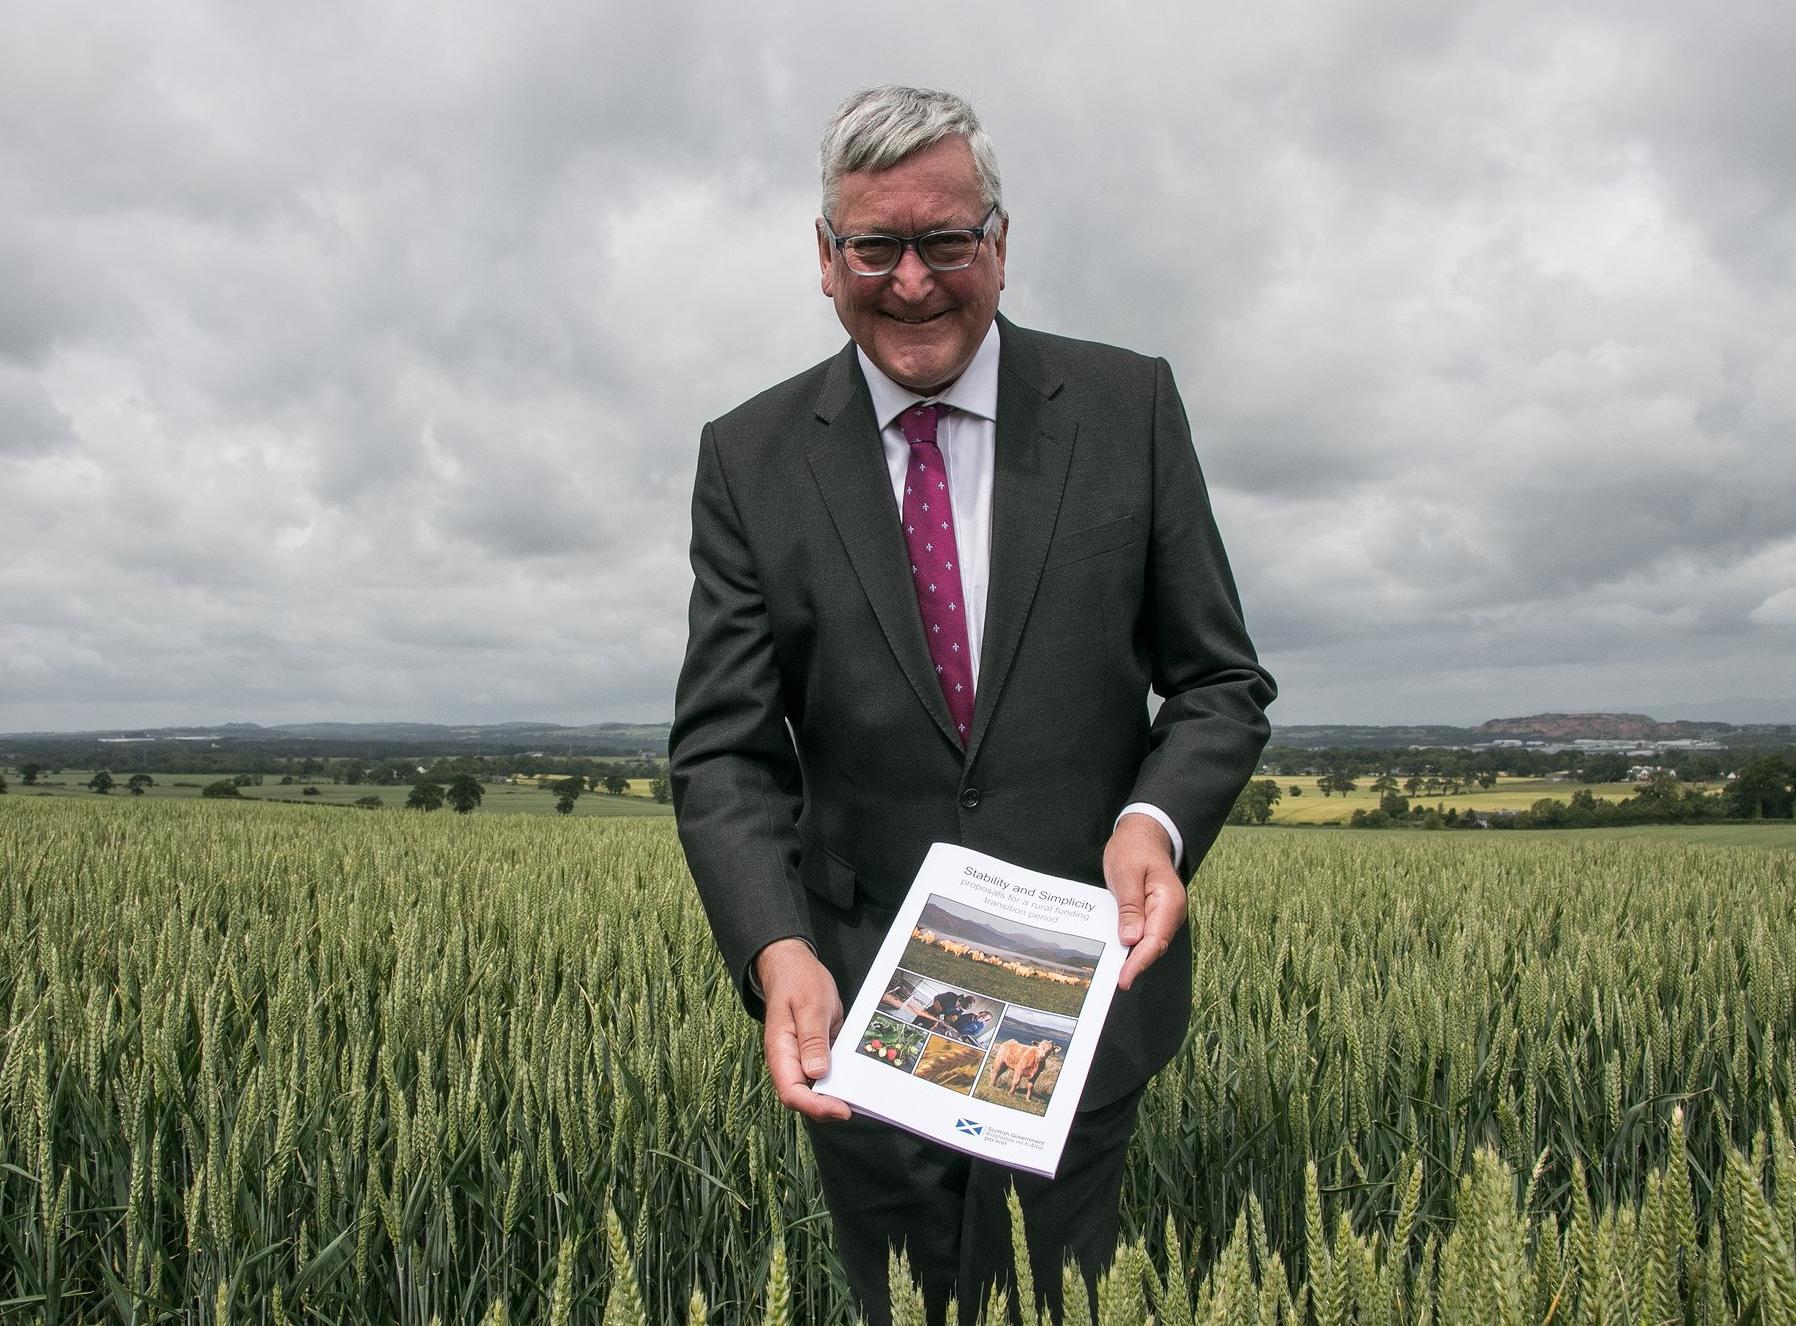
point(812, 758)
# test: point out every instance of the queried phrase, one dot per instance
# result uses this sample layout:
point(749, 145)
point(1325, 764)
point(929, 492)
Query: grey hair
point(878, 127)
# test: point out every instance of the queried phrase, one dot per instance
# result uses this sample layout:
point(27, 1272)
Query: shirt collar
point(975, 391)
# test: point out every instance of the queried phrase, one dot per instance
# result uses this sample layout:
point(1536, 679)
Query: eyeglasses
point(940, 250)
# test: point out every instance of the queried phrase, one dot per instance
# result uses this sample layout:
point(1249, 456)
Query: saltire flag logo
point(968, 1127)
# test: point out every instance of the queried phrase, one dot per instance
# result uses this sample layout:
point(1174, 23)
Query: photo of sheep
point(1025, 1061)
point(1007, 961)
point(891, 1043)
point(950, 1064)
point(955, 1014)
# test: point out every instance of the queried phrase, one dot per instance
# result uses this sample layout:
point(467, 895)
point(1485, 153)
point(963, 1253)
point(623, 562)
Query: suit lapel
point(848, 463)
point(1034, 451)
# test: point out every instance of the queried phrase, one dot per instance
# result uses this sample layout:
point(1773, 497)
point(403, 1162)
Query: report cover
point(978, 1022)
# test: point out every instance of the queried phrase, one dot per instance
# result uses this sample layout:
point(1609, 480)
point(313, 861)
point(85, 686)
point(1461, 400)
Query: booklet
point(977, 1025)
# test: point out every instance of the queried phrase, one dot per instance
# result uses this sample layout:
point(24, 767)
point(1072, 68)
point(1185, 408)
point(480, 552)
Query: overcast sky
point(353, 356)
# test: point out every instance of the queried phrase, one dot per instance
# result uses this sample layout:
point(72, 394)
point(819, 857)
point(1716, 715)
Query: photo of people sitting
point(958, 1015)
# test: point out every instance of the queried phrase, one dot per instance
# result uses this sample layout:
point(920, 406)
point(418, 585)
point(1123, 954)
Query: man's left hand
point(1150, 900)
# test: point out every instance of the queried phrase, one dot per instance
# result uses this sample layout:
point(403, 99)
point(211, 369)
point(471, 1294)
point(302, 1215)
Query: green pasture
point(501, 798)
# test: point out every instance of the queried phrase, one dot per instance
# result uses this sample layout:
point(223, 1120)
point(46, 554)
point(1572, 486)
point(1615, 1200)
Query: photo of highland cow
point(1007, 961)
point(1025, 1061)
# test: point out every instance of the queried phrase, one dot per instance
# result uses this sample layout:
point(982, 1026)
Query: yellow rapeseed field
point(268, 1064)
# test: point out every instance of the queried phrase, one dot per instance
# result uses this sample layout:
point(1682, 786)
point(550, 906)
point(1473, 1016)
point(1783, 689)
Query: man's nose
point(912, 278)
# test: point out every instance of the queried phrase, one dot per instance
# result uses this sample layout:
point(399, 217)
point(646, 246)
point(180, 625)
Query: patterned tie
point(929, 534)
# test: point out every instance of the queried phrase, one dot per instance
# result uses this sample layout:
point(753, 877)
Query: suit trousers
point(888, 1188)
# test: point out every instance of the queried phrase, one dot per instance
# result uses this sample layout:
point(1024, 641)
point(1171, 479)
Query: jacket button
point(969, 798)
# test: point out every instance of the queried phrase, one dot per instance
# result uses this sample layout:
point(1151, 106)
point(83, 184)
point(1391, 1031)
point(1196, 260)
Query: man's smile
point(916, 322)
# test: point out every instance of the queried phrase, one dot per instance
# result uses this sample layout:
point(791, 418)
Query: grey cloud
point(352, 361)
point(29, 420)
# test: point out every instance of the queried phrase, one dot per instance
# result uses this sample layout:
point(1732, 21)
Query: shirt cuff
point(1161, 818)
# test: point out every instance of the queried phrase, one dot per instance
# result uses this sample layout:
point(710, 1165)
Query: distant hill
point(352, 739)
point(1600, 727)
point(1315, 736)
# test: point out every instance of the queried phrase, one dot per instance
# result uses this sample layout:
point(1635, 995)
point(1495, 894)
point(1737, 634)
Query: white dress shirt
point(968, 439)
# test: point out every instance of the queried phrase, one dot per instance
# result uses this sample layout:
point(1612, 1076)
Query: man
point(935, 578)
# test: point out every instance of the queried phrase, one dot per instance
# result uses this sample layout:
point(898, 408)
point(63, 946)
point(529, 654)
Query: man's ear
point(825, 256)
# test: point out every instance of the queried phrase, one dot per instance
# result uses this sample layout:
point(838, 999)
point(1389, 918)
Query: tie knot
point(919, 422)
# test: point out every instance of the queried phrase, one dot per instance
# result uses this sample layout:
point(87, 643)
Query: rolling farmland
point(267, 1065)
point(1515, 794)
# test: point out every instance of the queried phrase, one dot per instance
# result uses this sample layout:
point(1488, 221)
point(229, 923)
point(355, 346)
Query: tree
point(616, 784)
point(367, 803)
point(1548, 813)
point(1658, 793)
point(1764, 788)
point(2, 785)
point(1413, 784)
point(465, 793)
point(564, 804)
point(661, 790)
point(425, 796)
point(1605, 768)
point(1254, 805)
point(1487, 779)
point(29, 772)
point(136, 783)
point(224, 787)
point(1384, 784)
point(1394, 803)
point(570, 788)
point(102, 782)
point(1294, 790)
point(311, 792)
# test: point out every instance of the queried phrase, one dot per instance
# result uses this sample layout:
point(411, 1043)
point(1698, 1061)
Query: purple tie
point(934, 563)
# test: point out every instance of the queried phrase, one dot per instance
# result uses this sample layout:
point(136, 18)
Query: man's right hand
point(804, 1012)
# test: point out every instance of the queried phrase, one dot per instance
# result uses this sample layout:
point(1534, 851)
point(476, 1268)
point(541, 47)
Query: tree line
point(1467, 766)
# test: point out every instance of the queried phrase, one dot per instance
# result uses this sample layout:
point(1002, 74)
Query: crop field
point(1508, 794)
point(258, 1065)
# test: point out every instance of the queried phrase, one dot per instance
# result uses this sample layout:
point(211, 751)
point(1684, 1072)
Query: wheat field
point(266, 1065)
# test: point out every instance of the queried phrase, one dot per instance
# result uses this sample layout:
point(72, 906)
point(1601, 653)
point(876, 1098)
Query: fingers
point(803, 1014)
point(792, 1081)
point(1150, 900)
point(1164, 913)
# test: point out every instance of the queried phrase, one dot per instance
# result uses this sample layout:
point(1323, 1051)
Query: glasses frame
point(913, 242)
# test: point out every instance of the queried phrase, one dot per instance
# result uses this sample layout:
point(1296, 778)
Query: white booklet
point(977, 1024)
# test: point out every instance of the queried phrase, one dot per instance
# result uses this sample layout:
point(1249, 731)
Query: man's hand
point(1150, 900)
point(804, 1012)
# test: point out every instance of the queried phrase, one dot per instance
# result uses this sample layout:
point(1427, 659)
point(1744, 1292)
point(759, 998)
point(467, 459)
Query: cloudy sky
point(353, 356)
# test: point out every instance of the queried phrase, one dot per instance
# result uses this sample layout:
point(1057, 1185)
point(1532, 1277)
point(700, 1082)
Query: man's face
point(921, 327)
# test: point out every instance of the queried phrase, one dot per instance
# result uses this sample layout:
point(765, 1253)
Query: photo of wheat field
point(265, 1063)
point(950, 1064)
